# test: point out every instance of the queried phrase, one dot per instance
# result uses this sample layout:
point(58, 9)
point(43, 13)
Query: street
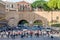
point(31, 38)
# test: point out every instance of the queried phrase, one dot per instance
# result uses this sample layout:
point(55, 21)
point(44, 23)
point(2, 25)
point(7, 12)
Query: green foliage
point(39, 0)
point(58, 4)
point(38, 4)
point(38, 22)
point(47, 5)
point(55, 25)
point(54, 4)
point(46, 8)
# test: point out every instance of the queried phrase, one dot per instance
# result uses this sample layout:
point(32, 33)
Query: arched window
point(21, 7)
point(12, 5)
point(7, 6)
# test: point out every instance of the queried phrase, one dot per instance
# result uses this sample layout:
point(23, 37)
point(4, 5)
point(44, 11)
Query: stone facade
point(16, 12)
point(2, 14)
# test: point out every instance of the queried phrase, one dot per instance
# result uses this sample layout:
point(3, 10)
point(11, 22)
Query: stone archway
point(41, 21)
point(38, 22)
point(23, 22)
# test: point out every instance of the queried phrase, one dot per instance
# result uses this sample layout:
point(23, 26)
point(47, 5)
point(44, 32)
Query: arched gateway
point(38, 22)
point(23, 22)
point(31, 19)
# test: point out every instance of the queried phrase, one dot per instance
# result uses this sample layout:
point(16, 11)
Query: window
point(17, 4)
point(57, 18)
point(24, 8)
point(21, 7)
point(7, 6)
point(12, 5)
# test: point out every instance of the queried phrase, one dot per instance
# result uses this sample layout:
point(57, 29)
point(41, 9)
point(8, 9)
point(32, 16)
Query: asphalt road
point(32, 38)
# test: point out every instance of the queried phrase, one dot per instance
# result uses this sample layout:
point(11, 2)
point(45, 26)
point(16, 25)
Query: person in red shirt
point(31, 33)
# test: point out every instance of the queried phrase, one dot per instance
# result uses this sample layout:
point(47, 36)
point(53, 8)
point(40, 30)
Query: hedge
point(55, 25)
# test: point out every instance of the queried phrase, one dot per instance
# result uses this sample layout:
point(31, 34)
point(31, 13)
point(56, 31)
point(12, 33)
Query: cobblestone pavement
point(32, 38)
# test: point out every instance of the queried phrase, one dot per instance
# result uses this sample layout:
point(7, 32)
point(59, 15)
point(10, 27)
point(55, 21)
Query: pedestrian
point(52, 37)
point(37, 34)
point(13, 36)
point(27, 34)
point(31, 33)
point(48, 33)
point(8, 34)
point(22, 35)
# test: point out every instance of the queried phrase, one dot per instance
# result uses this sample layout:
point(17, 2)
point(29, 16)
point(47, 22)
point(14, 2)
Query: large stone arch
point(21, 22)
point(38, 22)
point(44, 21)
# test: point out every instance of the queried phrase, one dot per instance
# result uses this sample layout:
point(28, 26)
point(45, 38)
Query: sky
point(30, 1)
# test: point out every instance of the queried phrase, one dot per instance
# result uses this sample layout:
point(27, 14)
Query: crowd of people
point(26, 33)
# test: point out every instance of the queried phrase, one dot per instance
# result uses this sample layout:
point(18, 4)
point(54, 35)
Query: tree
point(40, 0)
point(54, 4)
point(40, 4)
point(58, 4)
point(47, 5)
point(46, 8)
